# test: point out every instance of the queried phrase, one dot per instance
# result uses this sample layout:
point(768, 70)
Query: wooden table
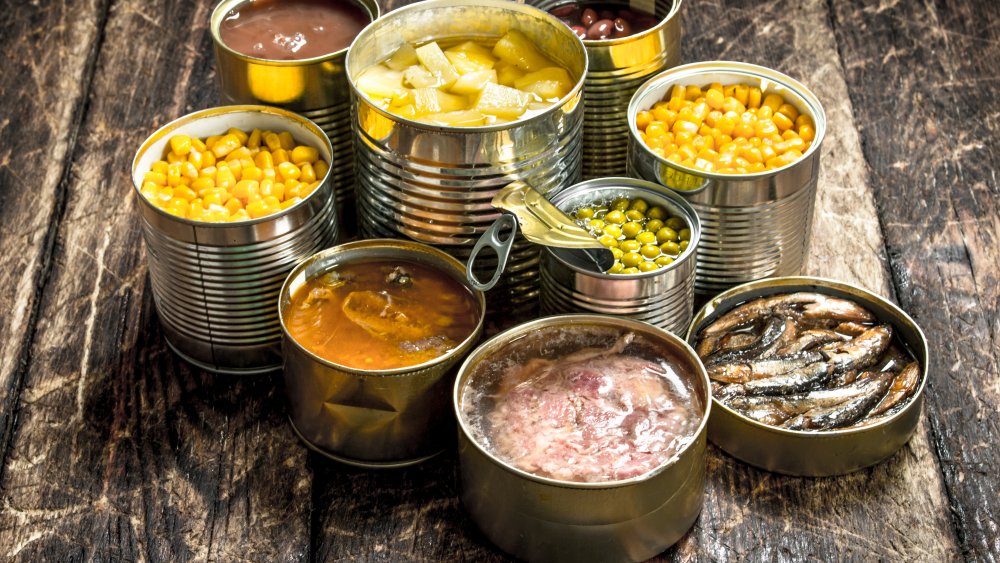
point(113, 449)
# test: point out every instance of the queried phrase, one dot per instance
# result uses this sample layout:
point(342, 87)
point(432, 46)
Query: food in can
point(731, 129)
point(583, 404)
point(642, 238)
point(381, 314)
point(467, 83)
point(292, 29)
point(234, 176)
point(597, 21)
point(807, 361)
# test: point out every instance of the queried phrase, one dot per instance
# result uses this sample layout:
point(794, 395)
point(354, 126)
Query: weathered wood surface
point(114, 449)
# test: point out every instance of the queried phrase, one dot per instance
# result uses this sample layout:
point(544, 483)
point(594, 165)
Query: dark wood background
point(113, 449)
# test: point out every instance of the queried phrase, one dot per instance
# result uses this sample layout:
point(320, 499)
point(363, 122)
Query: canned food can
point(815, 453)
point(215, 285)
point(618, 67)
point(315, 88)
point(663, 297)
point(372, 418)
point(754, 226)
point(434, 184)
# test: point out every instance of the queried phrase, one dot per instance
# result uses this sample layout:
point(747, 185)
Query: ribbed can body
point(434, 184)
point(216, 285)
point(754, 226)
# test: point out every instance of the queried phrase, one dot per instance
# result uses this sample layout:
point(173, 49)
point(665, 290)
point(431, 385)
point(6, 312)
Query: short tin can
point(434, 184)
point(618, 67)
point(663, 297)
point(315, 88)
point(815, 453)
point(372, 418)
point(754, 226)
point(215, 285)
point(538, 518)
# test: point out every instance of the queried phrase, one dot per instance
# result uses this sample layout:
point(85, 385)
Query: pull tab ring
point(491, 238)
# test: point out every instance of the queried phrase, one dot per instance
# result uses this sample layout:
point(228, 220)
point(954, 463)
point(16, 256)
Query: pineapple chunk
point(508, 74)
point(473, 82)
point(550, 83)
point(433, 59)
point(517, 49)
point(432, 100)
point(417, 76)
point(407, 111)
point(405, 56)
point(470, 57)
point(464, 118)
point(380, 82)
point(502, 101)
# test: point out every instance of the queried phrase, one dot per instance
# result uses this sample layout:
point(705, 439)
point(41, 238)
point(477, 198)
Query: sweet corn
point(180, 144)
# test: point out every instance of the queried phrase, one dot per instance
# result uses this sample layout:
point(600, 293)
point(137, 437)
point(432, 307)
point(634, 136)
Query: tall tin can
point(618, 67)
point(315, 87)
point(663, 297)
point(216, 285)
point(754, 226)
point(434, 184)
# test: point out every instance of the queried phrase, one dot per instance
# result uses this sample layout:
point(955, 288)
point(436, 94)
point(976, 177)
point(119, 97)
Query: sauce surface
point(292, 29)
point(381, 315)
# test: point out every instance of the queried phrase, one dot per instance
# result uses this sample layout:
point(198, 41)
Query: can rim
point(727, 300)
point(673, 14)
point(506, 336)
point(763, 73)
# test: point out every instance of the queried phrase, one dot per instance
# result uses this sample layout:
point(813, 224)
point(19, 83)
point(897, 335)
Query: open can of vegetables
point(810, 376)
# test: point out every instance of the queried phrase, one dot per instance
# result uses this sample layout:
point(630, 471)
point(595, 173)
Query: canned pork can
point(662, 297)
point(314, 87)
point(215, 285)
point(434, 184)
point(753, 225)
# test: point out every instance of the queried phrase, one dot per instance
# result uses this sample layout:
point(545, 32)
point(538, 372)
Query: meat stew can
point(215, 284)
point(542, 519)
point(663, 297)
point(372, 418)
point(315, 88)
point(434, 184)
point(815, 453)
point(754, 226)
point(618, 67)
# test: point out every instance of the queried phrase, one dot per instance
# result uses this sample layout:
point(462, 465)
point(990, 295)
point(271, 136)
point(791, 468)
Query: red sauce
point(284, 30)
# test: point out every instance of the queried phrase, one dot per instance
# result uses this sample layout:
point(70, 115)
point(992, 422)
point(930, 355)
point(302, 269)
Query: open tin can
point(754, 226)
point(215, 284)
point(539, 518)
point(818, 453)
point(372, 418)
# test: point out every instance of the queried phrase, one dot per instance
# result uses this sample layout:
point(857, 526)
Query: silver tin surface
point(372, 418)
point(664, 297)
point(434, 184)
point(617, 68)
point(754, 226)
point(315, 87)
point(215, 285)
point(818, 453)
point(541, 519)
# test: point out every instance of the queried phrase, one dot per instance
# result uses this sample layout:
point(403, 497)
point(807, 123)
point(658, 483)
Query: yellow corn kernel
point(253, 141)
point(311, 188)
point(789, 110)
point(675, 104)
point(765, 127)
point(244, 188)
point(754, 97)
point(321, 168)
point(714, 98)
point(240, 215)
point(782, 122)
point(198, 145)
point(175, 158)
point(272, 201)
point(225, 178)
point(692, 92)
point(308, 174)
point(239, 134)
point(731, 104)
point(158, 178)
point(807, 132)
point(188, 170)
point(264, 159)
point(677, 91)
point(149, 190)
point(215, 196)
point(208, 172)
point(742, 94)
point(795, 143)
point(174, 174)
point(225, 145)
point(303, 153)
point(287, 141)
point(288, 171)
point(196, 158)
point(159, 166)
point(773, 101)
point(717, 86)
point(764, 112)
point(790, 134)
point(251, 173)
point(239, 154)
point(180, 144)
point(712, 118)
point(269, 173)
point(165, 194)
point(202, 184)
point(276, 189)
point(256, 209)
point(272, 141)
point(290, 202)
point(211, 140)
point(279, 156)
point(185, 193)
point(233, 205)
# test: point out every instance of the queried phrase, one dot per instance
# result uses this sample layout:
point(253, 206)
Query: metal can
point(618, 67)
point(316, 88)
point(372, 418)
point(820, 453)
point(754, 226)
point(663, 297)
point(434, 184)
point(215, 284)
point(542, 519)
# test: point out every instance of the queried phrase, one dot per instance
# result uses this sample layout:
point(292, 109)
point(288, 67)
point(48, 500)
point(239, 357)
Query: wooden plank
point(923, 82)
point(121, 450)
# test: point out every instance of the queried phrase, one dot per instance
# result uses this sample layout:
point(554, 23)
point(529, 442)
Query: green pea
point(620, 204)
point(635, 215)
point(595, 224)
point(617, 252)
point(585, 213)
point(664, 260)
point(616, 217)
point(685, 234)
point(684, 245)
point(629, 245)
point(654, 225)
point(656, 212)
point(645, 237)
point(670, 248)
point(676, 223)
point(639, 205)
point(648, 266)
point(616, 268)
point(632, 270)
point(631, 229)
point(608, 241)
point(650, 251)
point(666, 234)
point(632, 259)
point(613, 230)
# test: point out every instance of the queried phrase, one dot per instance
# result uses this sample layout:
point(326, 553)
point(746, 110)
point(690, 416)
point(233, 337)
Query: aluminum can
point(754, 226)
point(372, 418)
point(818, 453)
point(541, 519)
point(316, 88)
point(434, 184)
point(617, 68)
point(663, 297)
point(215, 285)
